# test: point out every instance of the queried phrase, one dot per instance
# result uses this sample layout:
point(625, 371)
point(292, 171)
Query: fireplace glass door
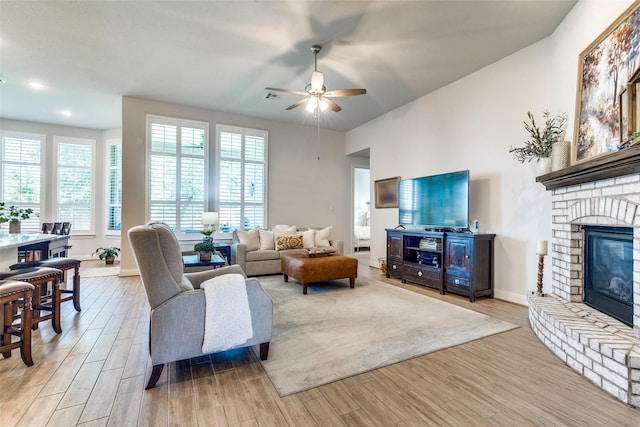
point(608, 268)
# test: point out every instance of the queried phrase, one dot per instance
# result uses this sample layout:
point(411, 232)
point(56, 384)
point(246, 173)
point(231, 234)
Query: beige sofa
point(258, 251)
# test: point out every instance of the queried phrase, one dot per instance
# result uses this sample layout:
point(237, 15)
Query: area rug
point(335, 332)
point(98, 268)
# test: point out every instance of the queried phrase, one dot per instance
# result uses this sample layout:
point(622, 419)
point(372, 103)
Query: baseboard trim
point(128, 272)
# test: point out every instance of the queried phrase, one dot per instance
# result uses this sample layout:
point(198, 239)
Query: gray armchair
point(176, 330)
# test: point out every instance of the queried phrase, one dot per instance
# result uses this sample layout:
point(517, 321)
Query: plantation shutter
point(178, 172)
point(242, 178)
point(114, 185)
point(75, 160)
point(21, 162)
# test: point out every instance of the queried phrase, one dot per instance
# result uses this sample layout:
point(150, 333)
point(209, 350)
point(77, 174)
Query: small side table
point(225, 250)
point(194, 261)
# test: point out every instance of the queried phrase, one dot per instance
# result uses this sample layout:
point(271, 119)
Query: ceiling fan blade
point(295, 92)
point(345, 92)
point(297, 104)
point(332, 105)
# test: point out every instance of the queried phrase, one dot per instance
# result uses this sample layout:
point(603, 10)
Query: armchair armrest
point(239, 255)
point(198, 277)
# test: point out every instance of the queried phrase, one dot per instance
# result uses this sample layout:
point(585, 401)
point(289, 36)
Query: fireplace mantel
point(624, 162)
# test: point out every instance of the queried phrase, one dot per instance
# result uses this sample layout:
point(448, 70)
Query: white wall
point(471, 124)
point(309, 180)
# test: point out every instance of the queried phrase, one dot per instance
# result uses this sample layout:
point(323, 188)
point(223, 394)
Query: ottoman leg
point(304, 288)
point(286, 278)
point(352, 282)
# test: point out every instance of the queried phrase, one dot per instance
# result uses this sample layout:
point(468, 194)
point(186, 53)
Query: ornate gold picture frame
point(605, 68)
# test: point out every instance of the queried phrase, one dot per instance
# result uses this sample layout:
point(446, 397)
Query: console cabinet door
point(394, 246)
point(394, 254)
point(459, 256)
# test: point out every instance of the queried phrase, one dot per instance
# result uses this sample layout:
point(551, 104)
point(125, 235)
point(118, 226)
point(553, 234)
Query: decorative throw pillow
point(289, 241)
point(266, 240)
point(250, 238)
point(308, 240)
point(281, 227)
point(322, 236)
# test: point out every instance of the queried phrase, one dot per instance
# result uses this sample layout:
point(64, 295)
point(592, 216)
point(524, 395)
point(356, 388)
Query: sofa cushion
point(292, 241)
point(308, 238)
point(263, 255)
point(322, 236)
point(266, 240)
point(250, 238)
point(293, 251)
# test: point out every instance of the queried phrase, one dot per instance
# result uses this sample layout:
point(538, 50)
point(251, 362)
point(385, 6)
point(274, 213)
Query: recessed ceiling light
point(65, 113)
point(2, 81)
point(36, 85)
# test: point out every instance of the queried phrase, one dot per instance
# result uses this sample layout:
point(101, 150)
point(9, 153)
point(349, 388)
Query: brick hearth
point(595, 345)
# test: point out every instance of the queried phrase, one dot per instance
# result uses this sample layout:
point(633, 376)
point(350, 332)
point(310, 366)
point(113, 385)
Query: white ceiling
point(221, 55)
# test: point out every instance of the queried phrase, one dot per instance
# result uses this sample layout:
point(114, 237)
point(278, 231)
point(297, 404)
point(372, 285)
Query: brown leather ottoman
point(306, 269)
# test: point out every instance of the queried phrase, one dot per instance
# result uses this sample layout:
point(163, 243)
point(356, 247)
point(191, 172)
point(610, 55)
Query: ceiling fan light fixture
point(322, 104)
point(317, 81)
point(312, 104)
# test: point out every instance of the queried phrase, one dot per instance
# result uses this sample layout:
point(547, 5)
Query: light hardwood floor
point(93, 374)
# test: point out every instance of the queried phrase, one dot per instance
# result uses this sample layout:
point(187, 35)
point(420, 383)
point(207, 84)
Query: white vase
point(560, 155)
point(543, 166)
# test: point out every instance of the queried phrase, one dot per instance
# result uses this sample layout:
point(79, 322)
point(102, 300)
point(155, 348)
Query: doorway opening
point(361, 209)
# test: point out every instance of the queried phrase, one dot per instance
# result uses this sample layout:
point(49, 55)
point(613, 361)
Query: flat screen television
point(436, 201)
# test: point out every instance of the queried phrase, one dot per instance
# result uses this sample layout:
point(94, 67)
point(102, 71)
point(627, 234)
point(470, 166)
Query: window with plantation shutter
point(21, 162)
point(75, 169)
point(177, 172)
point(114, 186)
point(242, 178)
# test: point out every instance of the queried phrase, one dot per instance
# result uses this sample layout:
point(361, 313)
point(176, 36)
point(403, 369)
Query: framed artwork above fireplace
point(605, 69)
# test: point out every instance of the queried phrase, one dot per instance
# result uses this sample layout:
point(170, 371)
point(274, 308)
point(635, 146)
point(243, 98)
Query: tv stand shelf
point(460, 263)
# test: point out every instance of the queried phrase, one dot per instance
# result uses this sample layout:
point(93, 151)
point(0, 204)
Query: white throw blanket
point(227, 319)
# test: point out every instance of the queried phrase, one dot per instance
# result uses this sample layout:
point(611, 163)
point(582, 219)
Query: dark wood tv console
point(460, 263)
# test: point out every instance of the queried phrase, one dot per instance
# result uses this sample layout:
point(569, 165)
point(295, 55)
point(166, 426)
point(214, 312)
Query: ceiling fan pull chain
point(318, 140)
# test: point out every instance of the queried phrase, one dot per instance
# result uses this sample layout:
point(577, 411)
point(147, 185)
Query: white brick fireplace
point(606, 192)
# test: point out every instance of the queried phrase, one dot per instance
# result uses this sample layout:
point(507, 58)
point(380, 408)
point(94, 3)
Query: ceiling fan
point(316, 93)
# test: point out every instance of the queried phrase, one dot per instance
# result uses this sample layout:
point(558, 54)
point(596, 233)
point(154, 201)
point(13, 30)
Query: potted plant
point(207, 232)
point(204, 249)
point(541, 141)
point(107, 254)
point(13, 215)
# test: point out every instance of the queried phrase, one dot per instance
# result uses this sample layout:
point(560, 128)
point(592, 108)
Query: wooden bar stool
point(12, 295)
point(64, 264)
point(44, 299)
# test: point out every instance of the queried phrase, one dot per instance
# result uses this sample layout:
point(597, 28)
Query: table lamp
point(209, 220)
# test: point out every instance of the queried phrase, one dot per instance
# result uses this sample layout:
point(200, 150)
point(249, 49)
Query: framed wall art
point(605, 68)
point(387, 192)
